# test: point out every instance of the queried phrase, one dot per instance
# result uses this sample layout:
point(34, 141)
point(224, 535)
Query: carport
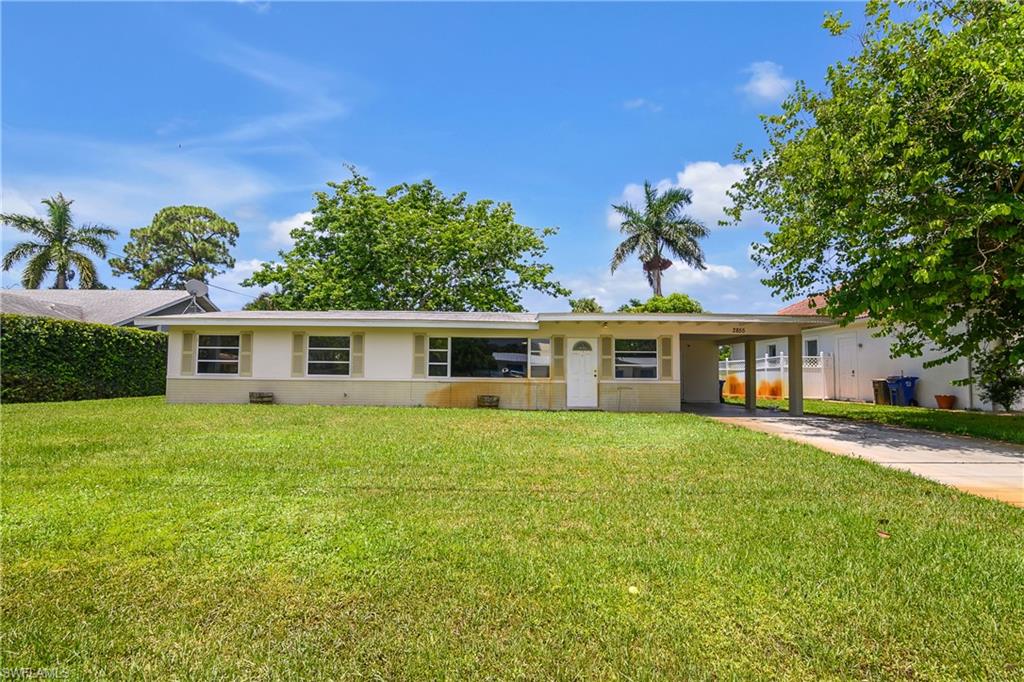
point(700, 337)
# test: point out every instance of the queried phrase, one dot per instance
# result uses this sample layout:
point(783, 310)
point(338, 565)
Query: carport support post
point(750, 374)
point(796, 375)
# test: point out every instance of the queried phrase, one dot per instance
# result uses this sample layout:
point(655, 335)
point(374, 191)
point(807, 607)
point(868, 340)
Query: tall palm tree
point(659, 227)
point(55, 251)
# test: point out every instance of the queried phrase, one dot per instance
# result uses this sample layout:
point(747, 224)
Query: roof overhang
point(198, 320)
point(723, 318)
point(711, 325)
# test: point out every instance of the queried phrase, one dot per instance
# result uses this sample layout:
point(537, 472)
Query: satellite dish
point(196, 288)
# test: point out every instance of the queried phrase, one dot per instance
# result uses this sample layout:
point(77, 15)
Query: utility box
point(881, 390)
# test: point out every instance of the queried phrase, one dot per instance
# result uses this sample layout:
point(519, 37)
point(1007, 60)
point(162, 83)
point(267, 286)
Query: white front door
point(846, 367)
point(581, 373)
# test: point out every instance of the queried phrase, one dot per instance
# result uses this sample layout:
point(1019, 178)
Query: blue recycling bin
point(901, 390)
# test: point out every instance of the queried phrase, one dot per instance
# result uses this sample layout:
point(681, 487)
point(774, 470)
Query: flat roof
point(461, 320)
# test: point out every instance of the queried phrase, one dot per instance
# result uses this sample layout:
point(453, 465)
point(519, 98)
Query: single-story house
point(118, 307)
point(548, 361)
point(841, 362)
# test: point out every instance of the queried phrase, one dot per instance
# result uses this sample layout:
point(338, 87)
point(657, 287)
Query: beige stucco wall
point(513, 394)
point(700, 371)
point(388, 372)
point(638, 396)
point(613, 396)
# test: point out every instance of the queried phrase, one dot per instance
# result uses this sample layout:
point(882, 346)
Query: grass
point(150, 540)
point(1004, 427)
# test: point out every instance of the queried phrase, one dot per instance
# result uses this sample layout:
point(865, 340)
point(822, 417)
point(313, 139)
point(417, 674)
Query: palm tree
point(661, 226)
point(55, 250)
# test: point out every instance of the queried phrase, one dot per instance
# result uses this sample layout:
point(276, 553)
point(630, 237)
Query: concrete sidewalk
point(974, 465)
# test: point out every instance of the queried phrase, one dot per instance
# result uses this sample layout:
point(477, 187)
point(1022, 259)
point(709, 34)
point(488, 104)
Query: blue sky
point(249, 108)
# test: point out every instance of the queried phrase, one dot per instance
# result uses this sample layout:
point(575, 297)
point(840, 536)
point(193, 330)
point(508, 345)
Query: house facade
point(545, 361)
point(851, 357)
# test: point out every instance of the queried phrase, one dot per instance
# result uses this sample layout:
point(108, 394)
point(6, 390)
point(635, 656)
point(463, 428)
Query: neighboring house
point(549, 361)
point(107, 306)
point(850, 357)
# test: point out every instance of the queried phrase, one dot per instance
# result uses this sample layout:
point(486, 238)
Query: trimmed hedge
point(43, 359)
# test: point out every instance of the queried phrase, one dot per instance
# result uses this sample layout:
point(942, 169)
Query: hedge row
point(44, 359)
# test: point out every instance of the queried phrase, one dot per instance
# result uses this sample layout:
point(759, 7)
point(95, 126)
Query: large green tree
point(587, 304)
point(181, 243)
point(57, 246)
point(410, 247)
point(657, 227)
point(897, 190)
point(673, 303)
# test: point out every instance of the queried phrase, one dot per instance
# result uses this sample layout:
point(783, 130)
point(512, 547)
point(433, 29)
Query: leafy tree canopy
point(182, 243)
point(585, 305)
point(898, 190)
point(673, 303)
point(265, 301)
point(57, 246)
point(408, 248)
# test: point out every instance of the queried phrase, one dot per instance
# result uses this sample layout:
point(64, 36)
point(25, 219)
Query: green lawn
point(1005, 427)
point(150, 540)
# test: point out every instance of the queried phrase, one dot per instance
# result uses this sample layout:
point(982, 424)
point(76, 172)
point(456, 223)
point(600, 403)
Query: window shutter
point(557, 357)
point(356, 364)
point(607, 358)
point(298, 354)
point(665, 353)
point(245, 354)
point(419, 355)
point(188, 353)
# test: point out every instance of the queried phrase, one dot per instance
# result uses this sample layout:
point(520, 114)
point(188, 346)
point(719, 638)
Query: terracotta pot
point(945, 402)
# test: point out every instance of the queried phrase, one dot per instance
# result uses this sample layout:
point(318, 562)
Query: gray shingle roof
point(108, 306)
point(27, 305)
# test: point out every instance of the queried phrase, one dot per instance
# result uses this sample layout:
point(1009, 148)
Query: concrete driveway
point(974, 465)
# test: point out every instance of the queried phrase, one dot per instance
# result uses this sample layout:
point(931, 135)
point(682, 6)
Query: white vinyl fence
point(773, 376)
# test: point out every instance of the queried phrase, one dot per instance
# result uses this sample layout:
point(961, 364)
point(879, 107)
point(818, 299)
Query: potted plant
point(945, 402)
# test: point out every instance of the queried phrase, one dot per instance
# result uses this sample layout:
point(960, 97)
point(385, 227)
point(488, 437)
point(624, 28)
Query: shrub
point(998, 385)
point(44, 359)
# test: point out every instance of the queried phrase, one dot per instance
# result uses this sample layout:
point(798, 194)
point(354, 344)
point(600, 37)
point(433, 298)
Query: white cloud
point(642, 103)
point(308, 90)
point(123, 185)
point(256, 5)
point(237, 295)
point(280, 230)
point(766, 83)
point(13, 201)
point(612, 290)
point(707, 180)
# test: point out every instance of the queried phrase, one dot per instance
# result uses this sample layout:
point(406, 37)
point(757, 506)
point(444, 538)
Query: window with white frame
point(438, 356)
point(636, 358)
point(540, 358)
point(811, 347)
point(218, 354)
point(329, 355)
point(772, 350)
